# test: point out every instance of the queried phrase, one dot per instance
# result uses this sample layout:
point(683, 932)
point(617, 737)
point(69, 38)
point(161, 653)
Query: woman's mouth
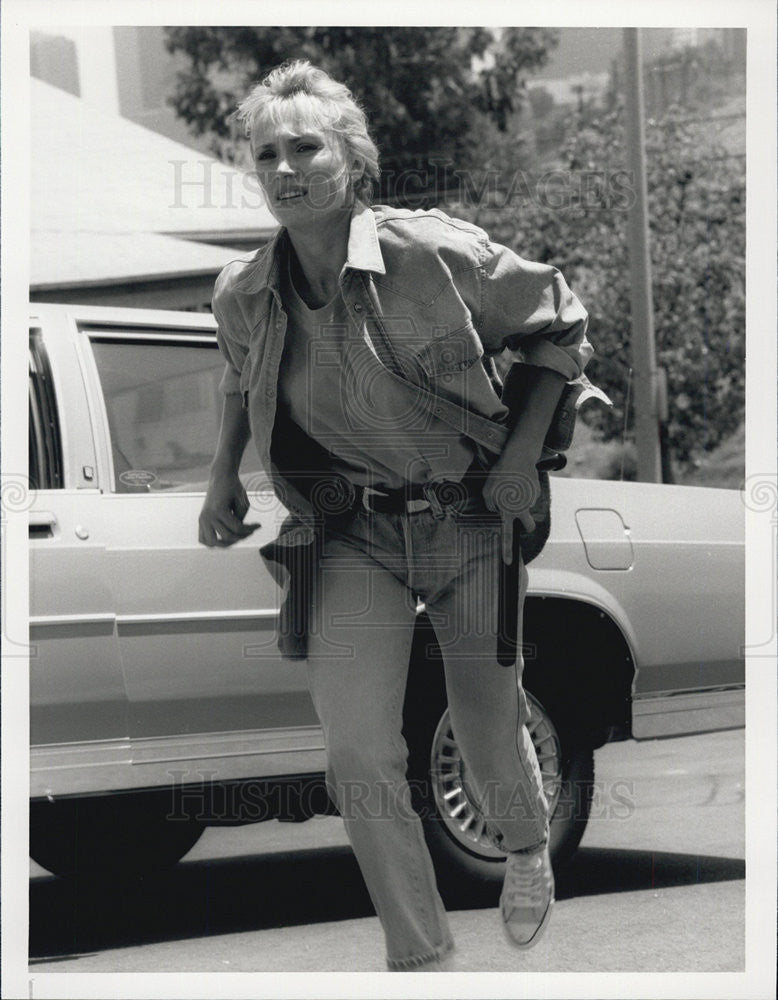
point(290, 195)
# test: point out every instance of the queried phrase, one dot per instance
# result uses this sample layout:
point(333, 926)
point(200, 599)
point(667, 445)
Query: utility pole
point(643, 353)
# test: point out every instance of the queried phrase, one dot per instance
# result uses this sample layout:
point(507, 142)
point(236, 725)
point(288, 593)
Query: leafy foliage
point(575, 217)
point(427, 91)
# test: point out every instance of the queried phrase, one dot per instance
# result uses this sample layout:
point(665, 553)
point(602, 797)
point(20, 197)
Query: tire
point(469, 869)
point(115, 836)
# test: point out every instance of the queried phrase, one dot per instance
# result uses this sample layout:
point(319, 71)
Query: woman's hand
point(510, 490)
point(226, 504)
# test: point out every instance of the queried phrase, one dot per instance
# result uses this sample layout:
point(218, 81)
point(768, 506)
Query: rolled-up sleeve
point(528, 308)
point(230, 344)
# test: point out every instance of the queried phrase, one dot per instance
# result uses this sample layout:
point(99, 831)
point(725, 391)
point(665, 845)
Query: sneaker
point(527, 897)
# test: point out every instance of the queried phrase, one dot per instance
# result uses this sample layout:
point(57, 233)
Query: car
point(159, 702)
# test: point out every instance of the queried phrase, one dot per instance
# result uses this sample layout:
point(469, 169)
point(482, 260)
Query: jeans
point(373, 569)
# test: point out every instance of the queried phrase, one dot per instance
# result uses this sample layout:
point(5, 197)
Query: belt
point(390, 501)
point(335, 495)
point(438, 496)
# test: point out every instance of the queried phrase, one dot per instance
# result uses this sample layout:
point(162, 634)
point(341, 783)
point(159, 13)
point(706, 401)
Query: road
point(658, 885)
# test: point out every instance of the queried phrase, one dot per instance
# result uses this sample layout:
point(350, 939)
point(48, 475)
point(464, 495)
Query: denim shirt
point(448, 300)
point(443, 297)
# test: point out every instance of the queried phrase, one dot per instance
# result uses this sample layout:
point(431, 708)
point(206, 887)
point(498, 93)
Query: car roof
point(122, 316)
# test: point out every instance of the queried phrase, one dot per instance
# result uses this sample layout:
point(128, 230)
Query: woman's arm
point(528, 310)
point(226, 502)
point(531, 394)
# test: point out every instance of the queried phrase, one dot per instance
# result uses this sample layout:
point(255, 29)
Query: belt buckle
point(367, 492)
point(432, 499)
point(416, 506)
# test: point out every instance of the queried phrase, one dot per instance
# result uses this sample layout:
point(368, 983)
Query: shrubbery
point(576, 217)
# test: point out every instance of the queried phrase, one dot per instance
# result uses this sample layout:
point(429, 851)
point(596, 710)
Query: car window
point(45, 444)
point(164, 406)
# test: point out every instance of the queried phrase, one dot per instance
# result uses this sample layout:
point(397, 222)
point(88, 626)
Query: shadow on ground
point(201, 898)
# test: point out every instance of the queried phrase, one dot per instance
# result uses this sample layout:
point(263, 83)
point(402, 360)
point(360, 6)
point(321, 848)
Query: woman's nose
point(283, 166)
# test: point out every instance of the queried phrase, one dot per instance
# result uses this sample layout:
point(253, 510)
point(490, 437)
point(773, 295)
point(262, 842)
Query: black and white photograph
point(389, 559)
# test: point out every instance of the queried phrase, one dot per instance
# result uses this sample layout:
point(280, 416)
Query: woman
point(358, 345)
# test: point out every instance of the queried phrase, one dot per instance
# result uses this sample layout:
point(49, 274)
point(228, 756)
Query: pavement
point(658, 885)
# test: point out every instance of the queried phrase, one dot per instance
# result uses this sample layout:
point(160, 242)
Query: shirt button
point(357, 307)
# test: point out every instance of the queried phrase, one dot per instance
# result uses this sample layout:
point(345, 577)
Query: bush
point(576, 218)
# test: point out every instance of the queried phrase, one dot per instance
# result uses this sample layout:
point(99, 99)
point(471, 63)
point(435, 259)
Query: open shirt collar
point(363, 254)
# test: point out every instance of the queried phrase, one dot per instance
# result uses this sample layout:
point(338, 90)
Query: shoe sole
point(525, 946)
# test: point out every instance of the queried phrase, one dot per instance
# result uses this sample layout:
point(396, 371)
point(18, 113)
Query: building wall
point(146, 74)
point(125, 70)
point(54, 59)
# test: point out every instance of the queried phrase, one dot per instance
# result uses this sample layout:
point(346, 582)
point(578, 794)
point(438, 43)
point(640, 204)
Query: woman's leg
point(488, 707)
point(357, 666)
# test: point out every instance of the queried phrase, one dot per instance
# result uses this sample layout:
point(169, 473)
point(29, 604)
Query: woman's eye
point(306, 147)
point(266, 154)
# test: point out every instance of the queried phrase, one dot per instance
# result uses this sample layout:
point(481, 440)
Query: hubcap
point(454, 800)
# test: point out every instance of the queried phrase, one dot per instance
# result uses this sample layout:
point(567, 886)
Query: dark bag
point(292, 560)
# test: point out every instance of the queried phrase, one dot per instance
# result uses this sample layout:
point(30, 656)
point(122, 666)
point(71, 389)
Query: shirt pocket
point(452, 354)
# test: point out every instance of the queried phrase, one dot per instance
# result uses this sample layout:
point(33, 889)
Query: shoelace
point(530, 884)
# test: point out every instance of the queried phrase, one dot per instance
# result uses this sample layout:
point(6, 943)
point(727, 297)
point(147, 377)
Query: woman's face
point(304, 174)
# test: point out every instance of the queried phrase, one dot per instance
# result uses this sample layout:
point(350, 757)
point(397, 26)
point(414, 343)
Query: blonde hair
point(305, 93)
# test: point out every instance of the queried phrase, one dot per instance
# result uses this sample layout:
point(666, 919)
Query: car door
point(666, 563)
point(209, 695)
point(78, 701)
point(687, 605)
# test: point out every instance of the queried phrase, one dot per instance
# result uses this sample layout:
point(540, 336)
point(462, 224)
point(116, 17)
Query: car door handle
point(42, 524)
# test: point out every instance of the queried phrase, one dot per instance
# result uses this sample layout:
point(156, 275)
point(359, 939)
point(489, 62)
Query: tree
point(428, 92)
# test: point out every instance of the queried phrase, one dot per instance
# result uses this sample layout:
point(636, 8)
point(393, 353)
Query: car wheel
point(115, 836)
point(466, 862)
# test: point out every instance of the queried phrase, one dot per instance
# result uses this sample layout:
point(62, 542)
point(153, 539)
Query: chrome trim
point(100, 766)
point(262, 614)
point(98, 412)
point(171, 337)
point(225, 755)
point(717, 689)
point(91, 317)
point(684, 713)
point(197, 616)
point(49, 621)
point(117, 744)
point(122, 497)
point(286, 738)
